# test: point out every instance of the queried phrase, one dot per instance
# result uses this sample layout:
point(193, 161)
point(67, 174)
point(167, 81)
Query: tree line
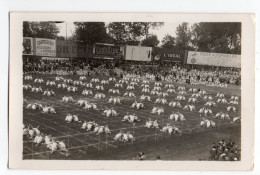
point(219, 37)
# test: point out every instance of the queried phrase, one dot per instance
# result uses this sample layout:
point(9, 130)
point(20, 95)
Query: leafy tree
point(118, 31)
point(91, 32)
point(27, 31)
point(60, 38)
point(131, 32)
point(183, 37)
point(219, 37)
point(200, 37)
point(236, 44)
point(40, 29)
point(146, 26)
point(168, 42)
point(151, 41)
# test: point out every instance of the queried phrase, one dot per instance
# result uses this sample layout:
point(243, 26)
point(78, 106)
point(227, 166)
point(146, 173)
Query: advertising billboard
point(214, 59)
point(28, 46)
point(138, 53)
point(161, 54)
point(107, 51)
point(45, 47)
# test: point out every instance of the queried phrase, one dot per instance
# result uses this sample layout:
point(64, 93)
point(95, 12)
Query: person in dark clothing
point(141, 156)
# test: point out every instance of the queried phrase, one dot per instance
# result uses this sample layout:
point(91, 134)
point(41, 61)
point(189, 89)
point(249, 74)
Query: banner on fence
point(107, 51)
point(28, 46)
point(58, 59)
point(138, 53)
point(45, 47)
point(214, 59)
point(161, 54)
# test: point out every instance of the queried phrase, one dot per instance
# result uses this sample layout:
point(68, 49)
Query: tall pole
point(132, 56)
point(66, 29)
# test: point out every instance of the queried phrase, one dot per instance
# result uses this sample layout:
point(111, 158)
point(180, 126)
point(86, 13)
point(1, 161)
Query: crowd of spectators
point(208, 75)
point(35, 65)
point(224, 150)
point(191, 74)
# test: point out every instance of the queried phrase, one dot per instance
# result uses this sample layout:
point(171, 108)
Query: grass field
point(193, 144)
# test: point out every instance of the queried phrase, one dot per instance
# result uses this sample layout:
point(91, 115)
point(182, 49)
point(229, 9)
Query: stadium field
point(85, 145)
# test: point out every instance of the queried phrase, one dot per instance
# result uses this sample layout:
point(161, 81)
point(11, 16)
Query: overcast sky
point(168, 28)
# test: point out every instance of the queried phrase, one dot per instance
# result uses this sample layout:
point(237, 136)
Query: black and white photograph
point(134, 90)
